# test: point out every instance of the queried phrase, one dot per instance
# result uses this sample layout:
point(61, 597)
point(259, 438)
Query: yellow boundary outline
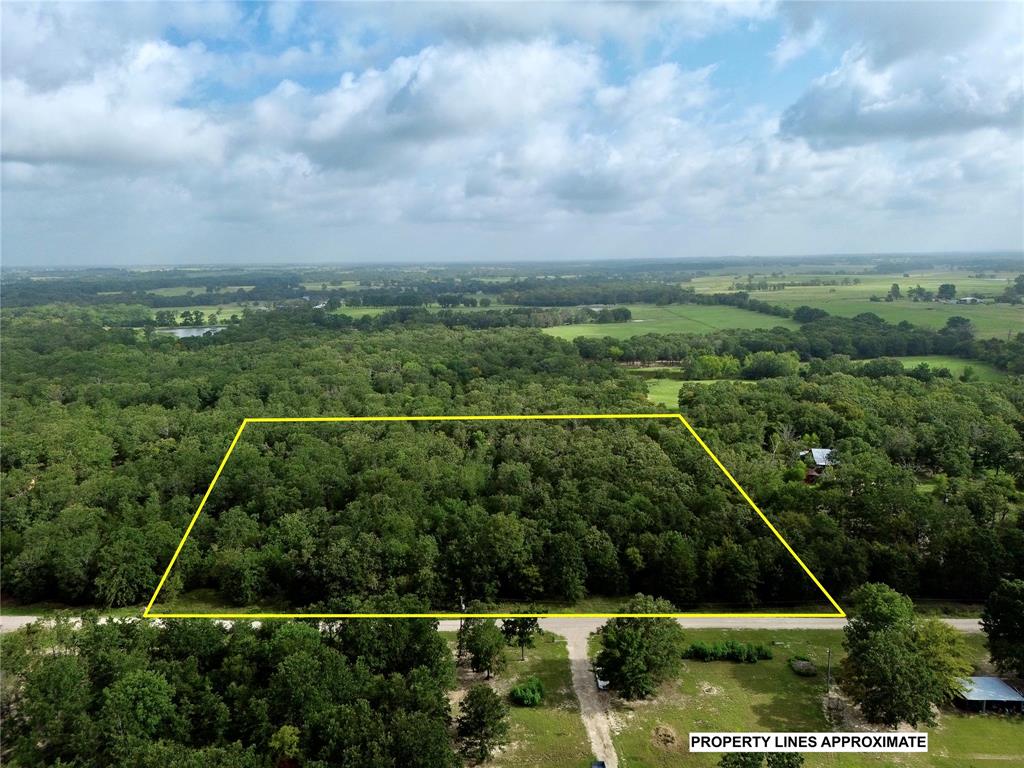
point(150, 614)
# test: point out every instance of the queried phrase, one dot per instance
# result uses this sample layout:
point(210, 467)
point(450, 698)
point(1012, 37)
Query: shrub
point(803, 666)
point(528, 694)
point(730, 650)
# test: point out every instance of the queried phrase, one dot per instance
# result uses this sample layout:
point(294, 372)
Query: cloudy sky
point(167, 133)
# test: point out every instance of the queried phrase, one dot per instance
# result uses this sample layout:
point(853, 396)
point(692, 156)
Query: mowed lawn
point(548, 736)
point(676, 318)
point(769, 696)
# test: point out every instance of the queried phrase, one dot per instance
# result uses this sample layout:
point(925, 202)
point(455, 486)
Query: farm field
point(678, 318)
point(868, 283)
point(545, 736)
point(956, 365)
point(223, 311)
point(990, 320)
point(768, 696)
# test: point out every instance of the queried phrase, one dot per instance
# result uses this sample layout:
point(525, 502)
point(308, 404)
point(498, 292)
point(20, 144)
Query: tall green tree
point(520, 632)
point(637, 654)
point(483, 722)
point(486, 647)
point(897, 669)
point(1003, 622)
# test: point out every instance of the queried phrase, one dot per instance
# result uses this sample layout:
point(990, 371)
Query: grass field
point(768, 696)
point(223, 311)
point(956, 365)
point(548, 736)
point(990, 320)
point(678, 318)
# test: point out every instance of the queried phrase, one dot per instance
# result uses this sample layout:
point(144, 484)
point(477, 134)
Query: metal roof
point(989, 689)
point(822, 456)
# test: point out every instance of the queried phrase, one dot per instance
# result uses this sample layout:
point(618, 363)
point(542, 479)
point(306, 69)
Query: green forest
point(113, 434)
point(113, 430)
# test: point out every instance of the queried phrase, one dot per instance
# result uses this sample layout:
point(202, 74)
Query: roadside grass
point(769, 696)
point(550, 735)
point(676, 318)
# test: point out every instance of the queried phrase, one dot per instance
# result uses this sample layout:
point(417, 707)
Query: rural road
point(593, 703)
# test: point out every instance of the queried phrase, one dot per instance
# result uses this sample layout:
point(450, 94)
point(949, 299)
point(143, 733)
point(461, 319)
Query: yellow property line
point(150, 614)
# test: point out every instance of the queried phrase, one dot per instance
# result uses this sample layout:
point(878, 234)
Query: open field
point(768, 696)
point(677, 318)
point(223, 311)
point(990, 320)
point(868, 284)
point(546, 736)
point(956, 365)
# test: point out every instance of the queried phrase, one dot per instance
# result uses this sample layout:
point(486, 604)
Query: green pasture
point(956, 365)
point(677, 318)
point(990, 320)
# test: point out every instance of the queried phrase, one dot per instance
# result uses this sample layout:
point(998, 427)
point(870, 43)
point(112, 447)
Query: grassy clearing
point(677, 318)
point(664, 392)
point(546, 736)
point(768, 696)
point(956, 365)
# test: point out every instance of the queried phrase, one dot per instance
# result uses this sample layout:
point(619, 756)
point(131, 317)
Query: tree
point(520, 632)
point(483, 722)
point(894, 291)
point(638, 654)
point(136, 708)
point(486, 647)
point(770, 365)
point(125, 567)
point(896, 669)
point(945, 653)
point(1003, 622)
point(785, 760)
point(947, 291)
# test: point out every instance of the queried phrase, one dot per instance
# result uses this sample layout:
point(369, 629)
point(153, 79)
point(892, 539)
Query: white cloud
point(125, 114)
point(504, 130)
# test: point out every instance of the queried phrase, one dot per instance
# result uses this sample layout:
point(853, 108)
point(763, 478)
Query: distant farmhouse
point(820, 460)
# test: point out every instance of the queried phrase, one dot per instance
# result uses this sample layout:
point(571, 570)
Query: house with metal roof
point(820, 458)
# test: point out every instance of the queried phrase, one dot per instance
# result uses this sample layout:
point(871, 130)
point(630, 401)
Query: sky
point(190, 133)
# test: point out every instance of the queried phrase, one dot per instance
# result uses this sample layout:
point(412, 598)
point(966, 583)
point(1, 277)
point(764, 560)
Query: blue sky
point(281, 132)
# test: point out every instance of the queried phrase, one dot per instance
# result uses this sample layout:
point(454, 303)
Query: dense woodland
point(112, 435)
point(196, 694)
